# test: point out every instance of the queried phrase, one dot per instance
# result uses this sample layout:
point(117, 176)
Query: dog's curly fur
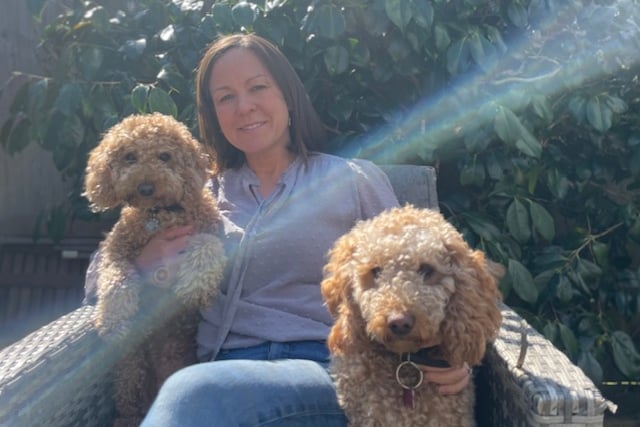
point(152, 167)
point(400, 282)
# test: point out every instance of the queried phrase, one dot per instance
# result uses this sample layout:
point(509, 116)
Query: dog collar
point(431, 356)
point(410, 376)
point(153, 223)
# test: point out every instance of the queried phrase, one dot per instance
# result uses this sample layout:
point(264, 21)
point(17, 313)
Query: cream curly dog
point(405, 287)
point(152, 167)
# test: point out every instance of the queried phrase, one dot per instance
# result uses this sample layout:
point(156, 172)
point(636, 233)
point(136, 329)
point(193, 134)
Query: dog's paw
point(200, 272)
point(117, 306)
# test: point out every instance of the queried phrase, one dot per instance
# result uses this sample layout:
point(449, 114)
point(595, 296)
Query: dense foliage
point(530, 109)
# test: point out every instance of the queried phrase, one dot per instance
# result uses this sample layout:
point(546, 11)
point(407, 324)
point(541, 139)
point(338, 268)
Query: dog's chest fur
point(371, 396)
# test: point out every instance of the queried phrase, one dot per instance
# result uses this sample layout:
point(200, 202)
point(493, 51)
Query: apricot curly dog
point(152, 167)
point(405, 288)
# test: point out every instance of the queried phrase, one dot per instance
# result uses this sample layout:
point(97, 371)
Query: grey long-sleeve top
point(277, 248)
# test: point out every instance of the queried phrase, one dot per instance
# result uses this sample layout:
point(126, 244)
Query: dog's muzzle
point(146, 189)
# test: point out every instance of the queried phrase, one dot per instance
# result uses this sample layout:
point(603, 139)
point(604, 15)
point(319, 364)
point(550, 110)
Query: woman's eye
point(225, 98)
point(130, 158)
point(165, 157)
point(259, 87)
point(375, 271)
point(425, 270)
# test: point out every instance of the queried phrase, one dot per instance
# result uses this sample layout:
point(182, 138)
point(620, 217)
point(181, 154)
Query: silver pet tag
point(152, 224)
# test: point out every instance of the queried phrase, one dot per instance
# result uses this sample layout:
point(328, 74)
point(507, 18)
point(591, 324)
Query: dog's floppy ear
point(199, 159)
point(336, 288)
point(98, 184)
point(473, 316)
point(337, 273)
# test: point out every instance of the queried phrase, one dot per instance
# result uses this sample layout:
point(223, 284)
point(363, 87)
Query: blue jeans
point(272, 384)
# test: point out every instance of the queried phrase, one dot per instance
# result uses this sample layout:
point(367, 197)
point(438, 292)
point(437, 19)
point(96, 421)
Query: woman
point(283, 205)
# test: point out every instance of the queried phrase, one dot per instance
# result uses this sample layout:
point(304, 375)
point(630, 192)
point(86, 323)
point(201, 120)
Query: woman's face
point(250, 107)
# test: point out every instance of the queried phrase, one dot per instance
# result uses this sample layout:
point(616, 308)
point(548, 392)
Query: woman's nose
point(246, 103)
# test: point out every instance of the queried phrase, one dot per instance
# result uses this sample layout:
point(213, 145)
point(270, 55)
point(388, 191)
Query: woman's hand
point(163, 249)
point(449, 380)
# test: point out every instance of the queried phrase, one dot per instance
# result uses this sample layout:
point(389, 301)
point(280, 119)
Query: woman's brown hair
point(306, 129)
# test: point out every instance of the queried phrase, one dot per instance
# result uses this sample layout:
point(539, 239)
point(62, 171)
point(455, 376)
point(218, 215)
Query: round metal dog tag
point(409, 375)
point(152, 225)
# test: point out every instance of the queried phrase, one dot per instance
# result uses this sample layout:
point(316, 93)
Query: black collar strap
point(430, 356)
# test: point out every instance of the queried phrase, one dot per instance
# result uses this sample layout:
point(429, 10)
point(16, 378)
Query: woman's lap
point(240, 392)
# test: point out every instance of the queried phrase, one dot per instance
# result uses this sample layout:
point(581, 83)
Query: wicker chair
point(60, 374)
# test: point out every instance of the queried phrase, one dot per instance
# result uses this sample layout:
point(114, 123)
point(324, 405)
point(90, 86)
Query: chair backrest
point(413, 184)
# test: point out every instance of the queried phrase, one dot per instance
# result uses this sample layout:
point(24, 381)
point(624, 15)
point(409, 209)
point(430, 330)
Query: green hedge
point(529, 109)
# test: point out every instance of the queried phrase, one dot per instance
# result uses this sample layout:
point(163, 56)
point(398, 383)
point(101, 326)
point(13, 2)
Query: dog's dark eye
point(130, 158)
point(375, 271)
point(425, 270)
point(165, 157)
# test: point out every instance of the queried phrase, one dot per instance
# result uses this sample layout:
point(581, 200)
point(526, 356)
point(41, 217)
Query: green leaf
point(558, 183)
point(541, 108)
point(482, 226)
point(35, 7)
point(617, 105)
point(512, 132)
point(507, 125)
point(19, 136)
point(90, 60)
point(550, 331)
point(518, 221)
point(522, 281)
point(588, 270)
point(442, 38)
point(222, 16)
point(342, 108)
point(590, 365)
point(160, 101)
point(67, 100)
point(625, 354)
point(481, 50)
point(569, 340)
point(517, 14)
point(359, 53)
point(472, 174)
point(133, 48)
point(336, 59)
point(399, 12)
point(600, 252)
point(168, 34)
point(423, 13)
point(139, 96)
point(72, 132)
point(329, 22)
point(244, 14)
point(564, 291)
point(542, 221)
point(458, 56)
point(577, 106)
point(599, 115)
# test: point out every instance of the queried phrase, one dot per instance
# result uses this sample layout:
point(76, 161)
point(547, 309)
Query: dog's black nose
point(400, 324)
point(146, 189)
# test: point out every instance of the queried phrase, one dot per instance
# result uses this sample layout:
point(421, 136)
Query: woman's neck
point(269, 169)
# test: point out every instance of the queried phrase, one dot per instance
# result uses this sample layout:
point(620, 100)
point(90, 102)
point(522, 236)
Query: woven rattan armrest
point(57, 376)
point(526, 381)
